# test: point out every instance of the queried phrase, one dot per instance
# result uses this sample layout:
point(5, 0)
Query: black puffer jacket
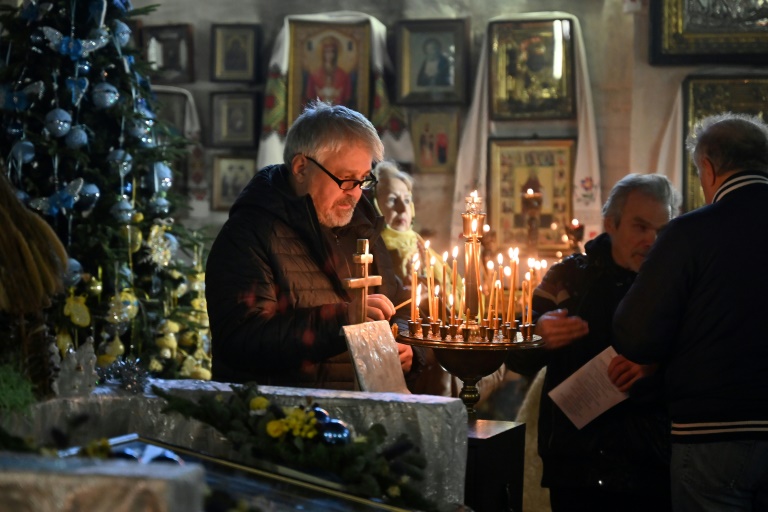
point(275, 302)
point(625, 449)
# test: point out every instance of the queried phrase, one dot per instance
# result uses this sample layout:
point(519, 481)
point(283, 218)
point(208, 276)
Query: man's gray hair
point(655, 186)
point(731, 141)
point(323, 127)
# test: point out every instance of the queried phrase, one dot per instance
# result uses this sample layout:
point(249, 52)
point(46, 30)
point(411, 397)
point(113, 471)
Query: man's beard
point(335, 219)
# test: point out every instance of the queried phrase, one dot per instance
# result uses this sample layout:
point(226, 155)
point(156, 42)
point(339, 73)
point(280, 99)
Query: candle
point(431, 287)
point(463, 295)
point(530, 301)
point(491, 296)
point(414, 282)
point(480, 304)
point(454, 274)
point(445, 283)
point(508, 273)
point(513, 256)
point(526, 290)
point(499, 291)
point(453, 311)
point(488, 279)
point(436, 303)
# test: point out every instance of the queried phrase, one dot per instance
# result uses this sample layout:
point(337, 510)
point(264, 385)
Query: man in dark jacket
point(619, 460)
point(698, 307)
point(274, 275)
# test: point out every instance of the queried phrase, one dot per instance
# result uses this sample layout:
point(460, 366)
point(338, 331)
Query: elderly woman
point(393, 197)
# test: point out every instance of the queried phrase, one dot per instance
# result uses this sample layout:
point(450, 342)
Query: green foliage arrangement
point(306, 439)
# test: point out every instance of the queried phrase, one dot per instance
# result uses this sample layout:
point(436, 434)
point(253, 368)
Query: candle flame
point(474, 225)
point(531, 262)
point(445, 257)
point(575, 223)
point(473, 193)
point(486, 228)
point(543, 263)
point(450, 299)
point(529, 191)
point(455, 251)
point(432, 261)
point(418, 294)
point(426, 245)
point(437, 290)
point(507, 271)
point(527, 276)
point(500, 259)
point(489, 265)
point(498, 284)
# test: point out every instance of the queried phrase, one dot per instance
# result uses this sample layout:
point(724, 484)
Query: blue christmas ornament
point(143, 123)
point(148, 141)
point(159, 206)
point(127, 188)
point(22, 196)
point(163, 177)
point(74, 273)
point(120, 161)
point(122, 33)
point(104, 95)
point(23, 151)
point(321, 415)
point(58, 122)
point(123, 5)
point(122, 211)
point(72, 47)
point(89, 196)
point(76, 138)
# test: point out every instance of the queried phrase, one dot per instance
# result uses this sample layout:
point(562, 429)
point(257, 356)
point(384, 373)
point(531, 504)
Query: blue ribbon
point(123, 5)
point(71, 47)
point(61, 200)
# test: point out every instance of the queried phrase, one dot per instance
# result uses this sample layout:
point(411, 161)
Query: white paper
point(589, 392)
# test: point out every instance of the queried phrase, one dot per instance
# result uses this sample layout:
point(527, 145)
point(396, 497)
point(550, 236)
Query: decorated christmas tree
point(83, 149)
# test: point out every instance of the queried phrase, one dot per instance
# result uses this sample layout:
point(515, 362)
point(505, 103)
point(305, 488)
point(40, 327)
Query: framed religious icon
point(688, 32)
point(230, 176)
point(233, 119)
point(708, 95)
point(169, 50)
point(530, 66)
point(235, 53)
point(172, 110)
point(435, 135)
point(432, 61)
point(331, 62)
point(531, 183)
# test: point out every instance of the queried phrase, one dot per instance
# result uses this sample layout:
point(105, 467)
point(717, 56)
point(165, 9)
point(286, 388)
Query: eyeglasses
point(365, 184)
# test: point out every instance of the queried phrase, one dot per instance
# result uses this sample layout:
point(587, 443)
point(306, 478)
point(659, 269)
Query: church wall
point(631, 98)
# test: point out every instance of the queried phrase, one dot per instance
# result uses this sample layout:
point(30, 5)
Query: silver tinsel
point(127, 372)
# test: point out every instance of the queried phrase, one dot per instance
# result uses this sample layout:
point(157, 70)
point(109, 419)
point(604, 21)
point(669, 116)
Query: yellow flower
point(276, 428)
point(259, 403)
point(394, 491)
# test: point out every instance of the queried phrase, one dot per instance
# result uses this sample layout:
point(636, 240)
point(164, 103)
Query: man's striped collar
point(740, 180)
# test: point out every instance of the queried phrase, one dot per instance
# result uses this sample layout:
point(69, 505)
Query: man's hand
point(406, 356)
point(623, 372)
point(557, 329)
point(379, 307)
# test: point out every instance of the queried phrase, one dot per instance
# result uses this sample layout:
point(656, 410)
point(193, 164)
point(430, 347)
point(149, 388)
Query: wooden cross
point(361, 283)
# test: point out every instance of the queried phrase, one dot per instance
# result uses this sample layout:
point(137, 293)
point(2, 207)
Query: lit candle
point(463, 295)
point(431, 287)
point(445, 283)
point(514, 259)
point(480, 304)
point(454, 274)
point(530, 300)
point(453, 311)
point(437, 304)
point(508, 273)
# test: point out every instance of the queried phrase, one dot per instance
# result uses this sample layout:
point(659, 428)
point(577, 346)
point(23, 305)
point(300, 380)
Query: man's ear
point(707, 171)
point(608, 225)
point(299, 167)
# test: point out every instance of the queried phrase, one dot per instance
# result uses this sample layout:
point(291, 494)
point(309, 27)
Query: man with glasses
point(274, 274)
